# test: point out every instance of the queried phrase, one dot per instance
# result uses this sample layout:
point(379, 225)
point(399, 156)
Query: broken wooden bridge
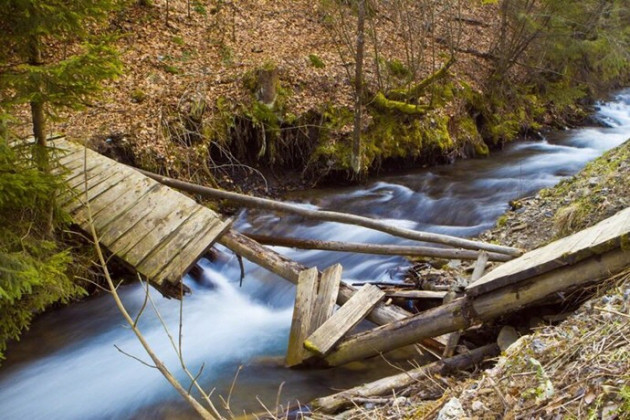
point(161, 233)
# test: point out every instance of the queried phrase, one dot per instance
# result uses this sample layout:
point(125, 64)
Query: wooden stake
point(302, 315)
point(327, 293)
point(453, 338)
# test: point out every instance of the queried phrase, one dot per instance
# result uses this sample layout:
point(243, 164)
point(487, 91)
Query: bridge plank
point(162, 232)
point(346, 318)
point(197, 245)
point(74, 200)
point(327, 293)
point(132, 215)
point(134, 235)
point(113, 203)
point(598, 239)
point(159, 258)
point(302, 315)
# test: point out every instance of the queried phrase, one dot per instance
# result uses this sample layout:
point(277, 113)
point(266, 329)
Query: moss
point(384, 104)
point(316, 61)
point(171, 69)
point(391, 137)
point(138, 95)
point(397, 69)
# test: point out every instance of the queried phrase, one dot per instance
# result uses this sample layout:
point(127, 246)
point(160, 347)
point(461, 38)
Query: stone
point(452, 410)
point(478, 406)
point(507, 337)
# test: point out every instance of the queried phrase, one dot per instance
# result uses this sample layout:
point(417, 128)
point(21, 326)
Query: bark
point(358, 89)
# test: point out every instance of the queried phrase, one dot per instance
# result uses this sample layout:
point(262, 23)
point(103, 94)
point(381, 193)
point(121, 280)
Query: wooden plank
point(73, 200)
point(198, 244)
point(160, 257)
point(76, 190)
point(114, 202)
point(327, 292)
point(302, 313)
point(160, 232)
point(597, 239)
point(141, 208)
point(134, 235)
point(346, 318)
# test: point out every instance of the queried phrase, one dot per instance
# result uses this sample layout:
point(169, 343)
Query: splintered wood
point(346, 318)
point(159, 232)
point(316, 328)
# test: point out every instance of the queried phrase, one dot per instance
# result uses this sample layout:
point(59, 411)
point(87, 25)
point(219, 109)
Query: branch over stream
point(331, 216)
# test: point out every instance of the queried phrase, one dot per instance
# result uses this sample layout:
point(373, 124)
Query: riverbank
point(567, 360)
point(259, 96)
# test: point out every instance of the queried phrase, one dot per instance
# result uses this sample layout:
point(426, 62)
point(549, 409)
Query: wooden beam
point(302, 315)
point(453, 338)
point(376, 249)
point(389, 385)
point(342, 321)
point(327, 293)
point(416, 294)
point(263, 203)
point(463, 312)
point(604, 236)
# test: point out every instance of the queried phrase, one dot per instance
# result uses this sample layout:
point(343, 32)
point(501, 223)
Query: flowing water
point(68, 365)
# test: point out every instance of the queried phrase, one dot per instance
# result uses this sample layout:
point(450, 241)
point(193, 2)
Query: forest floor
point(570, 363)
point(199, 58)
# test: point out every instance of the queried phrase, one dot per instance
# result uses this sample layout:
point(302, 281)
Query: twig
point(611, 311)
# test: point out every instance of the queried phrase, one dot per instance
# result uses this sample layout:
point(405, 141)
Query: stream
point(68, 365)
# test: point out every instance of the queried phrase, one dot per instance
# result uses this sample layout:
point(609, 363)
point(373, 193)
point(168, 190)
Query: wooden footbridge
point(157, 231)
point(162, 233)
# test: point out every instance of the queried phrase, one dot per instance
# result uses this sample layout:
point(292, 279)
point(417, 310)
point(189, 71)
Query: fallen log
point(331, 216)
point(333, 403)
point(290, 270)
point(376, 249)
point(466, 311)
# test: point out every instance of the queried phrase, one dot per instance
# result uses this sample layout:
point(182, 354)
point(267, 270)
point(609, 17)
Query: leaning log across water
point(263, 203)
point(386, 386)
point(466, 311)
point(377, 249)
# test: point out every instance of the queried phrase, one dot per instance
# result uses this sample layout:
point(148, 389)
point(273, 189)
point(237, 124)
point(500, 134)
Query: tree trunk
point(358, 89)
point(37, 111)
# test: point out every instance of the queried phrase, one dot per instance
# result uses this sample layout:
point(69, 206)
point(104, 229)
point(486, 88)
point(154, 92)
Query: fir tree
point(33, 268)
point(33, 34)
